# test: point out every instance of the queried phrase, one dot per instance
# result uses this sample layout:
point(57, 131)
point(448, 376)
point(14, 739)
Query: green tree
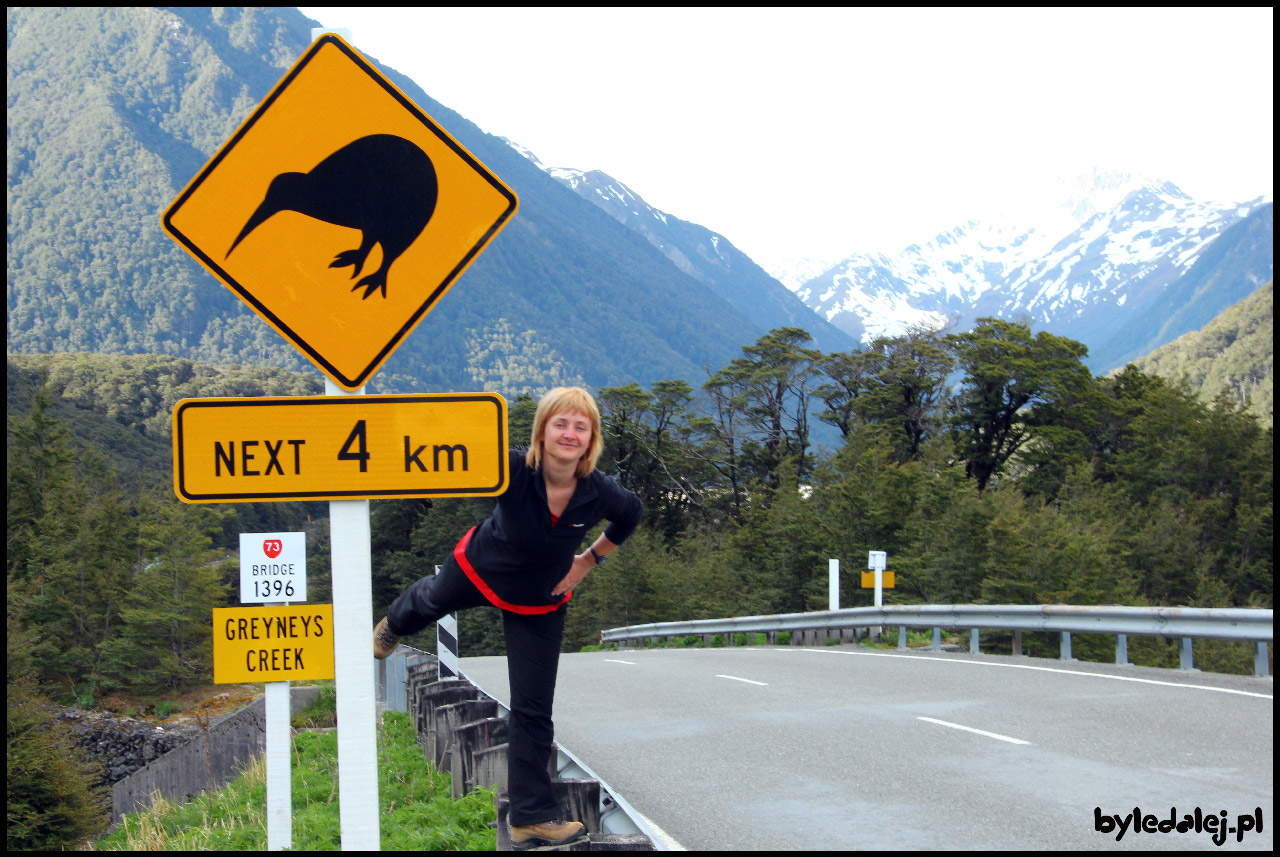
point(39, 456)
point(1010, 378)
point(88, 540)
point(723, 437)
point(860, 499)
point(71, 535)
point(1199, 485)
point(851, 377)
point(768, 390)
point(651, 449)
point(52, 804)
point(166, 638)
point(779, 553)
point(909, 386)
point(622, 410)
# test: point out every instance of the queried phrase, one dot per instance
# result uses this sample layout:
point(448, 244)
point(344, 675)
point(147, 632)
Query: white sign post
point(833, 584)
point(279, 779)
point(876, 561)
point(353, 668)
point(273, 570)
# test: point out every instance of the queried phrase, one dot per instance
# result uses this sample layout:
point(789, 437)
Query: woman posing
point(524, 560)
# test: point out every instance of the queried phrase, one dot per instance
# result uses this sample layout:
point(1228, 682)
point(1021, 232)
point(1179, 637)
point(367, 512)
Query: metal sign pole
point(354, 668)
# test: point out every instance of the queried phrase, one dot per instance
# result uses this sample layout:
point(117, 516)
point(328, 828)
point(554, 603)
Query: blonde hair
point(559, 401)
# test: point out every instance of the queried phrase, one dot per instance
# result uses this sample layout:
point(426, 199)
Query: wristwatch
point(599, 559)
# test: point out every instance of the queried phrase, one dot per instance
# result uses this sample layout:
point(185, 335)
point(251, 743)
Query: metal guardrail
point(1184, 623)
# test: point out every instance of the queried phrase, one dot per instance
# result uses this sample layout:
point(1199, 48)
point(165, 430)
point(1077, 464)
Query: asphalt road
point(785, 748)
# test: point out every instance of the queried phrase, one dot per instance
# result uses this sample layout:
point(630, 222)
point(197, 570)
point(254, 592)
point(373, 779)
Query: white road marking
point(974, 731)
point(747, 680)
point(667, 838)
point(628, 663)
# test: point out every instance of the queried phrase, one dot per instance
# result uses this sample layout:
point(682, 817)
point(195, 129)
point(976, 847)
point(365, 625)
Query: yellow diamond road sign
point(340, 447)
point(340, 212)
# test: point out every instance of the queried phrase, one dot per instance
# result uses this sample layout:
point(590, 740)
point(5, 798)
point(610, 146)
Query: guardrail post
point(1184, 655)
point(973, 642)
point(1260, 660)
point(902, 636)
point(1017, 643)
point(937, 639)
point(1065, 652)
point(1122, 650)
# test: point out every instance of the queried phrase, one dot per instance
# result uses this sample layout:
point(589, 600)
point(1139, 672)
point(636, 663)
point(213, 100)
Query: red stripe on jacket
point(460, 554)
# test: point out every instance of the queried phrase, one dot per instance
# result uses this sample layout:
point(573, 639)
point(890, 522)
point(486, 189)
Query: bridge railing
point(1183, 623)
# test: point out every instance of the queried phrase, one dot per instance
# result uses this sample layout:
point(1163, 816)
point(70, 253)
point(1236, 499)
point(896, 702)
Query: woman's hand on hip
point(581, 565)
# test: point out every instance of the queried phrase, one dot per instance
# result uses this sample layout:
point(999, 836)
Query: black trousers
point(533, 655)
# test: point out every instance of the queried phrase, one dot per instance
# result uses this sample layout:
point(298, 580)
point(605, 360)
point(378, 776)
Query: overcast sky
point(819, 133)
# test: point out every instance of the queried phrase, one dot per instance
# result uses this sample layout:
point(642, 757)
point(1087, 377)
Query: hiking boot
point(547, 833)
point(384, 642)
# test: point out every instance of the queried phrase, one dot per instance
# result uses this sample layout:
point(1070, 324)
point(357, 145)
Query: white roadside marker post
point(876, 561)
point(833, 584)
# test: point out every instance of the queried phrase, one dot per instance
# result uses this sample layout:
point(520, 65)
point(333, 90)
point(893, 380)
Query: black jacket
point(517, 551)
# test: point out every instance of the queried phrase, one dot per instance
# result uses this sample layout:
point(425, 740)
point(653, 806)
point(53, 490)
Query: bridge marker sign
point(340, 447)
point(273, 567)
point(340, 212)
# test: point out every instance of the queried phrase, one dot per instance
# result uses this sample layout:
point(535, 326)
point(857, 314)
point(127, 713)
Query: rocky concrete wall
point(140, 759)
point(122, 745)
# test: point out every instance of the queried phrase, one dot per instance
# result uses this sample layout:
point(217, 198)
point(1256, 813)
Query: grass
point(322, 713)
point(417, 811)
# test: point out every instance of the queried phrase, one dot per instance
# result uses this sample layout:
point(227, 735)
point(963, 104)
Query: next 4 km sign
point(340, 447)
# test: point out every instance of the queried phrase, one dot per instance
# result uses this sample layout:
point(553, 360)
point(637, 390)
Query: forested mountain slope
point(112, 110)
point(1233, 352)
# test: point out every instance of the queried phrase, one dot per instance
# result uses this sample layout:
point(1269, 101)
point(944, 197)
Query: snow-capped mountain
point(1122, 263)
point(794, 272)
point(704, 255)
point(934, 284)
point(1089, 283)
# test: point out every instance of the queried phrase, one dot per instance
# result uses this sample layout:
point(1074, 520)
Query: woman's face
point(567, 436)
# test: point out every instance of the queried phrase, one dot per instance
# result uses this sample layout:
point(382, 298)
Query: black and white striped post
point(447, 644)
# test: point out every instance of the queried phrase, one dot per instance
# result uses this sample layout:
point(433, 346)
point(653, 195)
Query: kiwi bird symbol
point(383, 185)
